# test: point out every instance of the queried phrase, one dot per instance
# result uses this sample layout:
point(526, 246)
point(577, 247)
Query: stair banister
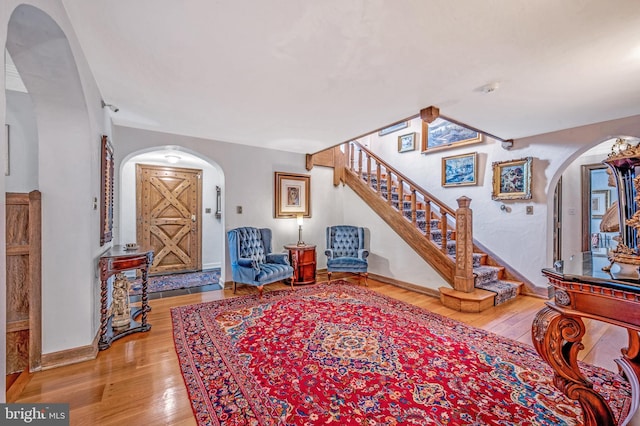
point(463, 278)
point(426, 194)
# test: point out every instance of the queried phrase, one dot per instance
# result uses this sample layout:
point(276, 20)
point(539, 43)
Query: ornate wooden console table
point(117, 260)
point(582, 291)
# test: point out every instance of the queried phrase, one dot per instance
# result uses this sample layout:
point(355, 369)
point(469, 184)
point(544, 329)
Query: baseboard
point(208, 266)
point(405, 285)
point(71, 356)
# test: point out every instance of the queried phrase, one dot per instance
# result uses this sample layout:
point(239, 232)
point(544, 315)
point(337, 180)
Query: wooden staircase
point(440, 235)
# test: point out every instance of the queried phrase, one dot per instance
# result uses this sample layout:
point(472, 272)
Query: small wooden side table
point(303, 260)
point(113, 261)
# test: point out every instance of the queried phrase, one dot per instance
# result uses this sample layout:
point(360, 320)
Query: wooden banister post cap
point(463, 202)
point(429, 114)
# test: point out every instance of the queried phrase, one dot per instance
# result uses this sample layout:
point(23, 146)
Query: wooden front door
point(168, 201)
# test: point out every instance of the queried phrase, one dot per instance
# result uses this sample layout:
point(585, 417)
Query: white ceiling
point(302, 75)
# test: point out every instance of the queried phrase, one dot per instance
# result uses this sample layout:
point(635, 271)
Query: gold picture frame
point(407, 142)
point(512, 179)
point(444, 134)
point(460, 170)
point(292, 195)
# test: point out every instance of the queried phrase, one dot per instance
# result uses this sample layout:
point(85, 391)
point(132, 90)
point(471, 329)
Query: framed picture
point(7, 153)
point(441, 133)
point(407, 142)
point(106, 191)
point(512, 180)
point(394, 128)
point(460, 170)
point(292, 195)
point(599, 203)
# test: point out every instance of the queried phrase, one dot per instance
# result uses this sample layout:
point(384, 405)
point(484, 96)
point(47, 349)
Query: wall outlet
point(207, 210)
point(529, 209)
point(239, 209)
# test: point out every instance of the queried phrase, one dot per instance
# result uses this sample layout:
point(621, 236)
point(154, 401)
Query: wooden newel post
point(464, 280)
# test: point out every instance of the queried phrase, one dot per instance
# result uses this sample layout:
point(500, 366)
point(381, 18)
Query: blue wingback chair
point(345, 250)
point(252, 261)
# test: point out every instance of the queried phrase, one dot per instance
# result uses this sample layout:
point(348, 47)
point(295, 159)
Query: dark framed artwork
point(442, 134)
point(460, 170)
point(106, 191)
point(292, 195)
point(512, 180)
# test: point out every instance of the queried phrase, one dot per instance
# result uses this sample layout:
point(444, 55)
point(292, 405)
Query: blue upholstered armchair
point(252, 261)
point(345, 250)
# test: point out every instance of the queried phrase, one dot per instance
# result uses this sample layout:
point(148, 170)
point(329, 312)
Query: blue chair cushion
point(347, 264)
point(270, 272)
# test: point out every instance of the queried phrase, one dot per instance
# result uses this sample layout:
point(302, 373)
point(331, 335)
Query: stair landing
point(476, 301)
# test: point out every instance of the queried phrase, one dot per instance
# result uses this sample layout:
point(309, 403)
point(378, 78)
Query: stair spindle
point(400, 194)
point(443, 230)
point(360, 164)
point(414, 213)
point(389, 187)
point(427, 216)
point(351, 148)
point(369, 180)
point(378, 178)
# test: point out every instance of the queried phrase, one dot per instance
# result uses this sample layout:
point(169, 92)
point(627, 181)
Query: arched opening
point(62, 164)
point(211, 218)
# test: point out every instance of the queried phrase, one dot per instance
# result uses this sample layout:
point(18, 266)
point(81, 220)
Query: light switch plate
point(239, 209)
point(529, 209)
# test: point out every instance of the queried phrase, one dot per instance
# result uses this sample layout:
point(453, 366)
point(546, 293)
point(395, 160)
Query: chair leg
point(234, 287)
point(260, 287)
point(366, 274)
point(329, 277)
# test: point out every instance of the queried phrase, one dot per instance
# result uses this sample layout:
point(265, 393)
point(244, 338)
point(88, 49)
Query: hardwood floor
point(138, 379)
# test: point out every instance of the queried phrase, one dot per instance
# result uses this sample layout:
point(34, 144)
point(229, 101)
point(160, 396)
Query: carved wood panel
point(23, 261)
point(168, 204)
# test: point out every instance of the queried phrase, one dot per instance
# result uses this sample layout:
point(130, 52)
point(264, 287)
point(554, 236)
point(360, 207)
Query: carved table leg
point(145, 301)
point(103, 344)
point(630, 367)
point(557, 338)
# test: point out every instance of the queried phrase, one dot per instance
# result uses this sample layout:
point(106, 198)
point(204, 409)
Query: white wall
point(523, 241)
point(69, 123)
point(249, 183)
point(23, 149)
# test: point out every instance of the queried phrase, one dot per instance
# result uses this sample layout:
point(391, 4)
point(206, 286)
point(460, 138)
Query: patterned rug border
point(185, 280)
point(395, 306)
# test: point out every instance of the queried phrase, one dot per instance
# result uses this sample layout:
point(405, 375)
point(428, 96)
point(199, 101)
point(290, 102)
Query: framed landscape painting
point(460, 170)
point(407, 142)
point(512, 180)
point(393, 128)
point(292, 195)
point(443, 134)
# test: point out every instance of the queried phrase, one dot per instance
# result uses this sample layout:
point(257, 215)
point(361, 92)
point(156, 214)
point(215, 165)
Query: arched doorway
point(210, 217)
point(66, 169)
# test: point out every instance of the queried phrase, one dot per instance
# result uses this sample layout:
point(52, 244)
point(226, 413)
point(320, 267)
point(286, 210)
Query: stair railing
point(372, 170)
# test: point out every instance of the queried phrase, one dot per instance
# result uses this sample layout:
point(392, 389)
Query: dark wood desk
point(303, 260)
point(582, 291)
point(113, 261)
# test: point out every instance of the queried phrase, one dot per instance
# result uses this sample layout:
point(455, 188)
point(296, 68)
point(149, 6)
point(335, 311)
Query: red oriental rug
point(344, 355)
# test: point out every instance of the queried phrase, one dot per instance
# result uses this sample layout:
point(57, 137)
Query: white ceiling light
point(171, 158)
